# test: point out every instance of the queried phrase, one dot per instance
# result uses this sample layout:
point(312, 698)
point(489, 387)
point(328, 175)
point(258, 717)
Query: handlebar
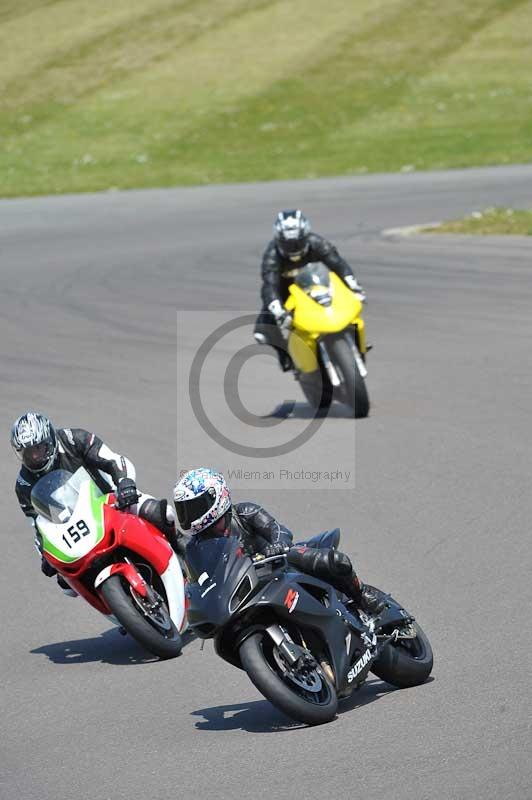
point(259, 561)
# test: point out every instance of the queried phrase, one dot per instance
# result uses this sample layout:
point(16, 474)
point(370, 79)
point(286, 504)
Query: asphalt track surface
point(439, 513)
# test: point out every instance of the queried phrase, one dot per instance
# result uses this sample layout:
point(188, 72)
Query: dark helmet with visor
point(291, 230)
point(34, 440)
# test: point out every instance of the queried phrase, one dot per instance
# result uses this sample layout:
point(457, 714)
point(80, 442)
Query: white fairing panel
point(175, 592)
point(76, 537)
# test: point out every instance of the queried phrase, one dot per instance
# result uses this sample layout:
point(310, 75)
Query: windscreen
point(55, 495)
point(313, 275)
point(213, 556)
point(217, 566)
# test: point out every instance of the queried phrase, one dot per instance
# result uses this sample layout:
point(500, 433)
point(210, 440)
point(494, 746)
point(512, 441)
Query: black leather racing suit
point(278, 273)
point(258, 531)
point(78, 448)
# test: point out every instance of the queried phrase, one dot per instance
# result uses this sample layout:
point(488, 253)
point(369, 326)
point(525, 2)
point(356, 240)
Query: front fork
point(356, 353)
point(291, 651)
point(330, 369)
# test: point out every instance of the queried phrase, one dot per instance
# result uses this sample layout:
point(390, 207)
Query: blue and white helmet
point(34, 441)
point(201, 498)
point(291, 230)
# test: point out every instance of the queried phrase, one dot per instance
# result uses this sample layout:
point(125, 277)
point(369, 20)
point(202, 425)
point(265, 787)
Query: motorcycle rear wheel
point(405, 663)
point(163, 641)
point(265, 672)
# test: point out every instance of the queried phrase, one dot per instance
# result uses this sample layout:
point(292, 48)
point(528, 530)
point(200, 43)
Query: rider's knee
point(340, 563)
point(159, 513)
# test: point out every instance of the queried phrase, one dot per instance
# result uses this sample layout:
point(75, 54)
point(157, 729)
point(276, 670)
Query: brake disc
point(306, 677)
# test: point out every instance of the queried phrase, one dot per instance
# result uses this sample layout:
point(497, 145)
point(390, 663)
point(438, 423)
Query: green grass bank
point(491, 221)
point(138, 93)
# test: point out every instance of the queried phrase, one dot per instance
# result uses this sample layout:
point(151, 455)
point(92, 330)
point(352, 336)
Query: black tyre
point(407, 662)
point(156, 632)
point(260, 658)
point(317, 390)
point(353, 391)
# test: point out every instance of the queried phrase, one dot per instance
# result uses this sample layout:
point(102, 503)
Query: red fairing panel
point(138, 535)
point(120, 529)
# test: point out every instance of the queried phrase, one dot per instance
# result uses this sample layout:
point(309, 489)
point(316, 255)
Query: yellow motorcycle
point(327, 341)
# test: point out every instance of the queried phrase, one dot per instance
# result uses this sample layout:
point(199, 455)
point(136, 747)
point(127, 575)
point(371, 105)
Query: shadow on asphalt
point(292, 410)
point(371, 691)
point(109, 648)
point(259, 716)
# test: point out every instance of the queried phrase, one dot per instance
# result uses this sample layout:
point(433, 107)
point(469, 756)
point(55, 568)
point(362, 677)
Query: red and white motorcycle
point(121, 564)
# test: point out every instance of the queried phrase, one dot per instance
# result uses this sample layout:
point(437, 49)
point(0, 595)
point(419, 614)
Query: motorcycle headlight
point(322, 295)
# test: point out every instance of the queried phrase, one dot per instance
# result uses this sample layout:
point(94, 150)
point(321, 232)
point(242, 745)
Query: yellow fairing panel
point(312, 320)
point(303, 350)
point(311, 317)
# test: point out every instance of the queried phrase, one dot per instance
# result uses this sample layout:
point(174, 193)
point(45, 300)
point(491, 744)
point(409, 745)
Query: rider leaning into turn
point(293, 246)
point(204, 508)
point(43, 448)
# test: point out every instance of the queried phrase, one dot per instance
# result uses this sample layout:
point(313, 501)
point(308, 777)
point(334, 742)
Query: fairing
point(277, 595)
point(105, 530)
point(312, 320)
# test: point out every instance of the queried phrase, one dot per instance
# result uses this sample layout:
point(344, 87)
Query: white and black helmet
point(291, 230)
point(34, 441)
point(201, 498)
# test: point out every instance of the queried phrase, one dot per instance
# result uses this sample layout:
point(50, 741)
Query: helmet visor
point(37, 456)
point(190, 510)
point(293, 247)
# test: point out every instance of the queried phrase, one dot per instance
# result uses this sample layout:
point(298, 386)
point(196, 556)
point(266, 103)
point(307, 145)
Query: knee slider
point(154, 511)
point(339, 564)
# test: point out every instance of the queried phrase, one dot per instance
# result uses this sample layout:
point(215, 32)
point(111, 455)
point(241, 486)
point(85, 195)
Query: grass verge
point(490, 221)
point(136, 93)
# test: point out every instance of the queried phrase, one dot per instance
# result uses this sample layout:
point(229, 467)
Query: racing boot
point(335, 567)
point(363, 596)
point(285, 361)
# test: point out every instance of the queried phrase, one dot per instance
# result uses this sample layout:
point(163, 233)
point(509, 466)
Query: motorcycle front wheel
point(353, 391)
point(317, 390)
point(152, 628)
point(306, 696)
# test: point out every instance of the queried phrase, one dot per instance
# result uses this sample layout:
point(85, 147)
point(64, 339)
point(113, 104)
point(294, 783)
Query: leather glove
point(47, 569)
point(126, 493)
point(281, 315)
point(352, 283)
point(275, 550)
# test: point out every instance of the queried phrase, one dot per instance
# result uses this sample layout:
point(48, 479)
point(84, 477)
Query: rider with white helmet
point(204, 509)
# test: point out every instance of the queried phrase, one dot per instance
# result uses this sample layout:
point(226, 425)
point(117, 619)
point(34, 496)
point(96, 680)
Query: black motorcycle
point(303, 645)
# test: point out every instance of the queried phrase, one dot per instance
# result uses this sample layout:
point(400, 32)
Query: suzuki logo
point(358, 666)
point(291, 599)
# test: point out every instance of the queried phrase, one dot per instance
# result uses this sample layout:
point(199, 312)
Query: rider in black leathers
point(43, 448)
point(203, 506)
point(292, 247)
